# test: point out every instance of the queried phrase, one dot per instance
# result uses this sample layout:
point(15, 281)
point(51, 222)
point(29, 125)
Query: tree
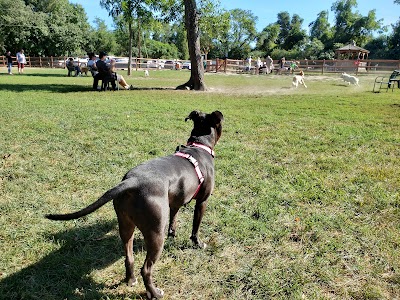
point(196, 81)
point(291, 34)
point(14, 14)
point(69, 28)
point(140, 11)
point(379, 47)
point(320, 28)
point(296, 35)
point(236, 35)
point(353, 26)
point(284, 26)
point(129, 11)
point(268, 38)
point(102, 38)
point(241, 34)
point(314, 49)
point(213, 23)
point(179, 38)
point(156, 49)
point(48, 27)
point(394, 41)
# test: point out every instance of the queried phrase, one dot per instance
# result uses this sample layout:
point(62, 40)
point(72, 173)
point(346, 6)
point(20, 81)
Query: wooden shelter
point(351, 51)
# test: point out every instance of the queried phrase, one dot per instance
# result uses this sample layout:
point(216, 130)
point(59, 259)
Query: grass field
point(306, 204)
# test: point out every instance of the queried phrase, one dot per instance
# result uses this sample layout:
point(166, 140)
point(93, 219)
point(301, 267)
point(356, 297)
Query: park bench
point(107, 80)
point(71, 68)
point(382, 82)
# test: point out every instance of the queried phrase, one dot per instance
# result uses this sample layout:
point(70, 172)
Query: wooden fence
point(231, 65)
point(310, 66)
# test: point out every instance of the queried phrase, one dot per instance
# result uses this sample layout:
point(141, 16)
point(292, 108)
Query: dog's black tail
point(108, 196)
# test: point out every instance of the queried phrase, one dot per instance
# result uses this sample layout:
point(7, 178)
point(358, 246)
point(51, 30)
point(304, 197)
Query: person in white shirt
point(259, 65)
point(249, 64)
point(21, 61)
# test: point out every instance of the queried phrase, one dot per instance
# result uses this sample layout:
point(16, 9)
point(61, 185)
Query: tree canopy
point(48, 27)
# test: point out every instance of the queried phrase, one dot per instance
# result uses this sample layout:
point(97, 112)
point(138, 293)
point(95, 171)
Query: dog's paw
point(159, 294)
point(197, 242)
point(171, 233)
point(131, 282)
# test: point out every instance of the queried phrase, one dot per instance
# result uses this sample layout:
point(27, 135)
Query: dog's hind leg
point(154, 241)
point(126, 232)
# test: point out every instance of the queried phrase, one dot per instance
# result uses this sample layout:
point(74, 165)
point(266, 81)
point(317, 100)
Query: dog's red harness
point(195, 163)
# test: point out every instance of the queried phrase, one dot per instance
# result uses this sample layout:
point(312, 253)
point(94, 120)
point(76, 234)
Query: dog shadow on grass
point(53, 88)
point(64, 273)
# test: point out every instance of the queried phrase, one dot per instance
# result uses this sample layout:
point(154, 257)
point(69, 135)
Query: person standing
point(269, 63)
point(9, 62)
point(281, 63)
point(249, 63)
point(21, 61)
point(259, 65)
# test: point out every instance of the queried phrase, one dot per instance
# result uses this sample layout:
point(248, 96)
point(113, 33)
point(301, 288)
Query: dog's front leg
point(173, 211)
point(199, 210)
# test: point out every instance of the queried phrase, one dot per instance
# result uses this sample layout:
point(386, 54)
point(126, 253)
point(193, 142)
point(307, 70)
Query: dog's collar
point(198, 145)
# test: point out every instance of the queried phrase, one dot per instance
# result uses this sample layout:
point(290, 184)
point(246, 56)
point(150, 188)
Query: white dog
point(349, 79)
point(146, 73)
point(299, 79)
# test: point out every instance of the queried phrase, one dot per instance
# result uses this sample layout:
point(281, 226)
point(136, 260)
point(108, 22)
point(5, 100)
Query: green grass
point(306, 204)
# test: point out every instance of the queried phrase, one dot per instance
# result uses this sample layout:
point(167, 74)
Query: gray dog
point(160, 186)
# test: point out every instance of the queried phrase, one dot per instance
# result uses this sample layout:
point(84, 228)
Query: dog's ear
point(193, 115)
point(217, 117)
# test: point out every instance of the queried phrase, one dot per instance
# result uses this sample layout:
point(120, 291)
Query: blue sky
point(267, 10)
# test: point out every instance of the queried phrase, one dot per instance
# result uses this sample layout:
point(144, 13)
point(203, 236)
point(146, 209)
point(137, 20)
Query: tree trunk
point(130, 48)
point(196, 81)
point(139, 42)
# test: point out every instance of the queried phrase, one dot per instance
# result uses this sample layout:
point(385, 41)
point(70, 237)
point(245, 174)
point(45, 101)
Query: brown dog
point(84, 70)
point(160, 186)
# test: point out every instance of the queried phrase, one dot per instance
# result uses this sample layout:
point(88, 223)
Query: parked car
point(77, 61)
point(122, 63)
point(155, 64)
point(169, 64)
point(187, 65)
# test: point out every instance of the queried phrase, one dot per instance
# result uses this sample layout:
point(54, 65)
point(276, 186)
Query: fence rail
point(229, 65)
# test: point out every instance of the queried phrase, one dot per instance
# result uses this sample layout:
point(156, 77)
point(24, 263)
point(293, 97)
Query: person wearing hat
point(103, 70)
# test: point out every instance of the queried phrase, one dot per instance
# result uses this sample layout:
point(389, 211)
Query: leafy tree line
point(156, 28)
point(43, 27)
